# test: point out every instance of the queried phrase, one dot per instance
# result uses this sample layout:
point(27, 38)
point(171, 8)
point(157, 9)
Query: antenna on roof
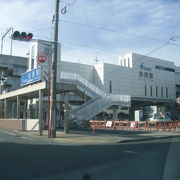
point(96, 60)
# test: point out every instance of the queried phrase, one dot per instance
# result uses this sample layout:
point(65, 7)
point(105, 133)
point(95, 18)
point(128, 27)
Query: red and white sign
point(109, 124)
point(42, 58)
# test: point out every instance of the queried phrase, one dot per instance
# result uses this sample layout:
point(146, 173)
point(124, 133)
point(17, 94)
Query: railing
point(124, 98)
point(101, 101)
point(78, 79)
point(93, 109)
point(84, 105)
point(96, 107)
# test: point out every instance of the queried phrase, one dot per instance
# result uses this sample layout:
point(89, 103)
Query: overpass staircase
point(99, 99)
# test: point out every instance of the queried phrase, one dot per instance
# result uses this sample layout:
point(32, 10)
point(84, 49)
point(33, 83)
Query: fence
point(133, 125)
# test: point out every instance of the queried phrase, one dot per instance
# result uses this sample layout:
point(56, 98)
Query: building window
point(140, 74)
point(156, 91)
point(146, 74)
point(151, 75)
point(162, 92)
point(110, 86)
point(165, 68)
point(121, 62)
point(151, 93)
point(166, 92)
point(145, 90)
point(128, 62)
point(125, 62)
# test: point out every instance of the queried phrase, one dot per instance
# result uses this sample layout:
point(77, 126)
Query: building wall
point(12, 67)
point(99, 75)
point(86, 71)
point(117, 79)
point(131, 77)
point(177, 75)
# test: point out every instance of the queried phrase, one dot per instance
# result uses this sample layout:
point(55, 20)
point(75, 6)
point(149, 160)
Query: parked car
point(157, 117)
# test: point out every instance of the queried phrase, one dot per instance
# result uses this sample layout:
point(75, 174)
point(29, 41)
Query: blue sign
point(31, 76)
point(145, 68)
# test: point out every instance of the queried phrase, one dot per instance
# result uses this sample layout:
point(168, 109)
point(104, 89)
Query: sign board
point(109, 124)
point(42, 58)
point(30, 77)
point(132, 125)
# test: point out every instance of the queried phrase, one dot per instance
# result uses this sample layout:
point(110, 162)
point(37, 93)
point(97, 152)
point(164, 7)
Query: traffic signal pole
point(3, 38)
point(52, 123)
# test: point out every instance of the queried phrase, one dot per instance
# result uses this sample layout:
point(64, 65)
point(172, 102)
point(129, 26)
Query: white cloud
point(156, 19)
point(24, 14)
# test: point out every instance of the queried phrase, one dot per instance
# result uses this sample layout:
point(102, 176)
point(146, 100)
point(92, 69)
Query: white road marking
point(27, 138)
point(132, 152)
point(12, 134)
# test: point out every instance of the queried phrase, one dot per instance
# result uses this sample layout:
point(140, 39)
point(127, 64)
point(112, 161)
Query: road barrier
point(134, 125)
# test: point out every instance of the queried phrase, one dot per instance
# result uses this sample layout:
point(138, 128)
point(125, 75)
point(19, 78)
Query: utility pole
point(52, 123)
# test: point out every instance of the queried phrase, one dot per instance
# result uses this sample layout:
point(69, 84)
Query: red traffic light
point(29, 36)
point(23, 36)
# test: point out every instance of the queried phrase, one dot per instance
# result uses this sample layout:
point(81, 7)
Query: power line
point(104, 50)
point(93, 49)
point(108, 30)
point(84, 8)
point(114, 31)
point(43, 29)
point(64, 9)
point(156, 49)
point(128, 34)
point(68, 2)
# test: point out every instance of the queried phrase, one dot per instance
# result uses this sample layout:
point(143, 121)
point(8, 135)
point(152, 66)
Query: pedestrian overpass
point(98, 99)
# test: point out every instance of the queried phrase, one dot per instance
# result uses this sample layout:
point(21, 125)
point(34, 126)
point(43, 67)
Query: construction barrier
point(134, 125)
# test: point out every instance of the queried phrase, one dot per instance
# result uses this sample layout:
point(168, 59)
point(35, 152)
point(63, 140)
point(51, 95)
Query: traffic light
point(23, 36)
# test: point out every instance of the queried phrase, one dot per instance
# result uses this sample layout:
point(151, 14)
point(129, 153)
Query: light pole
point(52, 123)
point(3, 38)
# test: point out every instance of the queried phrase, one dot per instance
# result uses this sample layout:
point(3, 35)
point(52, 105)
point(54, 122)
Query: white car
point(156, 117)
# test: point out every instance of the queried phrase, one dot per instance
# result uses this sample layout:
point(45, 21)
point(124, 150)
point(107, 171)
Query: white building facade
point(135, 83)
point(149, 81)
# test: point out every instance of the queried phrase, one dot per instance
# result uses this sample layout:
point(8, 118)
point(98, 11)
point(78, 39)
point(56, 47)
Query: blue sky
point(102, 28)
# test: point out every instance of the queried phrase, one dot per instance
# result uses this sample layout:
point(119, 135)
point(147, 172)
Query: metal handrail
point(84, 82)
point(92, 107)
point(84, 105)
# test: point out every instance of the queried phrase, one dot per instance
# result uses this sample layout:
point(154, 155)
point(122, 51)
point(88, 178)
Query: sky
point(97, 29)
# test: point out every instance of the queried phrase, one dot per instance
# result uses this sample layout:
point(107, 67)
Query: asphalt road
point(24, 158)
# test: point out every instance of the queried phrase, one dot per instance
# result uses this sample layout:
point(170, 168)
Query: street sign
point(109, 124)
point(30, 77)
point(42, 58)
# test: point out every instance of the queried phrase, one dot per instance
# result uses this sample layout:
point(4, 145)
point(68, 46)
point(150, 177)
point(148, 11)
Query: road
point(23, 157)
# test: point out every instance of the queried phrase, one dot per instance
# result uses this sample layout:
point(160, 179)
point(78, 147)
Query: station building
point(103, 90)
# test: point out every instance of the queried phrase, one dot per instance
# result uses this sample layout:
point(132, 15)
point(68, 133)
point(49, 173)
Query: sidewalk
point(102, 136)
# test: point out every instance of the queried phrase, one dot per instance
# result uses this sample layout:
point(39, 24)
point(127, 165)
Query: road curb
point(147, 139)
